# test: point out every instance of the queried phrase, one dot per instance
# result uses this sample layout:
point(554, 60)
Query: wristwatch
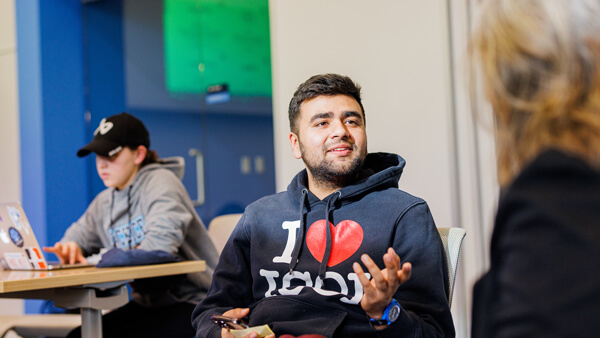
point(390, 314)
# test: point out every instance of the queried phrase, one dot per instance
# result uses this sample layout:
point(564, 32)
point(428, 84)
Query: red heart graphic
point(347, 236)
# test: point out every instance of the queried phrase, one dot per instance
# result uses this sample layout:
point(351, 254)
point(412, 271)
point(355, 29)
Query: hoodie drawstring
point(302, 230)
point(300, 237)
point(112, 203)
point(129, 213)
point(327, 252)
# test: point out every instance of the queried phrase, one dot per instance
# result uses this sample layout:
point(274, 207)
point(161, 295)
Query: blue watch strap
point(390, 314)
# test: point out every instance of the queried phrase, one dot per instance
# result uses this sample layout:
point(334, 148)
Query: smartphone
point(229, 322)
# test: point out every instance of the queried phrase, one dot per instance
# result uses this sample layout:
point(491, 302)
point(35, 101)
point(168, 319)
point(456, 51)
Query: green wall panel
point(210, 42)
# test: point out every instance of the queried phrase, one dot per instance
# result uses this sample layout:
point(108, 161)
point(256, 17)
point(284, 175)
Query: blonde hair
point(539, 62)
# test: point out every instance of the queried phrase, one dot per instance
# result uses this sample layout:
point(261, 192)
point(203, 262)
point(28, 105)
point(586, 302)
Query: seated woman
point(146, 213)
point(540, 65)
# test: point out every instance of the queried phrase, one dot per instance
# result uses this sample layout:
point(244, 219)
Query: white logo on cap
point(114, 151)
point(104, 127)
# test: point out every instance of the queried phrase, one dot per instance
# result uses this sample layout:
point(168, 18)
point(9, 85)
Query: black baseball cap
point(116, 132)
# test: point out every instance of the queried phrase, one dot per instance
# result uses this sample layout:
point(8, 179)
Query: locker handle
point(199, 175)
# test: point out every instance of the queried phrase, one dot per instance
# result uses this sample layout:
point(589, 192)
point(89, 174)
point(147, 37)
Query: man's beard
point(326, 174)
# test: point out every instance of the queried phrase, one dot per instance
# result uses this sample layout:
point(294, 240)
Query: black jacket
point(544, 279)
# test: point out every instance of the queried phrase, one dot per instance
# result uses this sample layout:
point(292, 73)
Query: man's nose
point(340, 130)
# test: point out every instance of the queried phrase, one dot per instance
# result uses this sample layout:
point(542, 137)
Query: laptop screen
point(19, 248)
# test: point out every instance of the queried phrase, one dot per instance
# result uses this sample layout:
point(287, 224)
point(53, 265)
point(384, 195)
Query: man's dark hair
point(324, 84)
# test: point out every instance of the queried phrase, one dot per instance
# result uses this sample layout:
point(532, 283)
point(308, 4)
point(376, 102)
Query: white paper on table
point(262, 331)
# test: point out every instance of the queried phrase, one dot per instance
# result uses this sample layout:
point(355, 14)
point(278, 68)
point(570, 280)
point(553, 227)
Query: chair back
point(452, 239)
point(220, 228)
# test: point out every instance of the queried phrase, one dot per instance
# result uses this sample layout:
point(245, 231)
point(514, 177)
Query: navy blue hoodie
point(274, 260)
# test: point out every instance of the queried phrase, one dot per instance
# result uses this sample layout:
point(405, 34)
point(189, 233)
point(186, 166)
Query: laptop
point(19, 248)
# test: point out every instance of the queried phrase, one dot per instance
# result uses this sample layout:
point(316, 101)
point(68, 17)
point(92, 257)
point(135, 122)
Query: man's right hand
point(68, 252)
point(239, 313)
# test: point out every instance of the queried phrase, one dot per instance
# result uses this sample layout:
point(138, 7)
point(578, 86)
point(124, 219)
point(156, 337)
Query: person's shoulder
point(554, 172)
point(274, 205)
point(103, 197)
point(101, 202)
point(555, 188)
point(158, 174)
point(398, 196)
point(398, 202)
point(158, 181)
point(270, 201)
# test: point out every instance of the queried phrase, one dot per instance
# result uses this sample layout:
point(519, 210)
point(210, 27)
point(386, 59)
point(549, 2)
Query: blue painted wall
point(103, 50)
point(51, 100)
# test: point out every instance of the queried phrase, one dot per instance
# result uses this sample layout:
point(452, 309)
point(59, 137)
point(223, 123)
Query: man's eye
point(320, 124)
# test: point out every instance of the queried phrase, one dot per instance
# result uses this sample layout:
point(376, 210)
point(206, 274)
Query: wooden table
point(90, 289)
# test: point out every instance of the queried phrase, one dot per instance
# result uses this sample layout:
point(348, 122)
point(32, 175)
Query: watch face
point(394, 313)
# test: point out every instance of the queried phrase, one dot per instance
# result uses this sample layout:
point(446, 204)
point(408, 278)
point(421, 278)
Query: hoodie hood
point(176, 164)
point(380, 171)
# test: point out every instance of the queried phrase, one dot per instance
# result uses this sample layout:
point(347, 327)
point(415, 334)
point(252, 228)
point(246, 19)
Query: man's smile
point(340, 149)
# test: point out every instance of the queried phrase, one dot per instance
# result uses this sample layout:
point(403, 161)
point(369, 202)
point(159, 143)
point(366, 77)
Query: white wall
point(10, 169)
point(474, 157)
point(400, 52)
point(397, 51)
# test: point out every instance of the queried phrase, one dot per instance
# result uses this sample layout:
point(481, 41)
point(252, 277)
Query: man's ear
point(140, 154)
point(295, 142)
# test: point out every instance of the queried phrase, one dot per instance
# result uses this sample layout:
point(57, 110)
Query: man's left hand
point(379, 291)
